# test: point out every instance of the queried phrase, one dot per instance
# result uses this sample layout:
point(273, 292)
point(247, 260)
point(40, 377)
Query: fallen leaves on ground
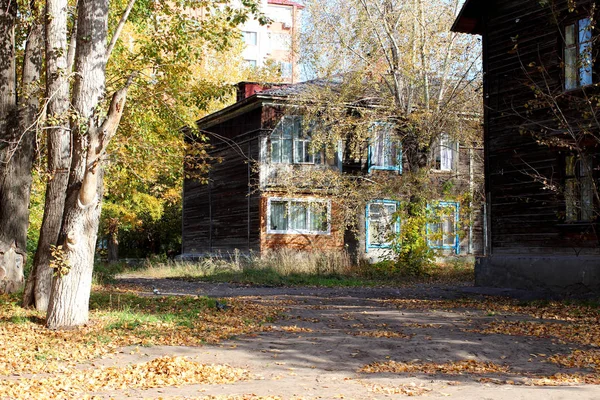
point(450, 368)
point(549, 310)
point(586, 334)
point(409, 389)
point(118, 320)
point(578, 359)
point(160, 372)
point(380, 334)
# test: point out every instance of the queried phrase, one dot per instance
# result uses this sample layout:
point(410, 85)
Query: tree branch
point(119, 28)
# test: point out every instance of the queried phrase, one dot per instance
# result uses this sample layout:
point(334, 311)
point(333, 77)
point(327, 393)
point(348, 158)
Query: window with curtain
point(291, 216)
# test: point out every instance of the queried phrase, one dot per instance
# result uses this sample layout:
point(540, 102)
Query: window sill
point(299, 232)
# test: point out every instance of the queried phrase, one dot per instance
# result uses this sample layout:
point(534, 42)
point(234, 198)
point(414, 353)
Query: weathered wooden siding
point(525, 217)
point(222, 216)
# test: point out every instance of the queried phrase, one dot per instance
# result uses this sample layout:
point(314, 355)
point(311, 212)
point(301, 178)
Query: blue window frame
point(385, 152)
point(443, 232)
point(381, 224)
point(578, 54)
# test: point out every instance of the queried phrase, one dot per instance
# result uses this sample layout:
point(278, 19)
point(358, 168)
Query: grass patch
point(270, 277)
point(287, 267)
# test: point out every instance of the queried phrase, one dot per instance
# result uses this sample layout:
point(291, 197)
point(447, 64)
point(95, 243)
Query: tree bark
point(70, 294)
point(59, 152)
point(113, 248)
point(17, 144)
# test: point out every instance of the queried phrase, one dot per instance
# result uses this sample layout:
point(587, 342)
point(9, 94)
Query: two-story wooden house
point(260, 140)
point(541, 142)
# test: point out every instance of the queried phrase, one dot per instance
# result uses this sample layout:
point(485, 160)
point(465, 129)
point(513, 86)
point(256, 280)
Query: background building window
point(292, 216)
point(251, 63)
point(446, 153)
point(442, 232)
point(579, 189)
point(382, 224)
point(578, 54)
point(286, 69)
point(385, 152)
point(250, 38)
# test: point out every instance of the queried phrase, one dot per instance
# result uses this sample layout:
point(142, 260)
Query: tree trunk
point(15, 187)
point(13, 210)
point(113, 248)
point(70, 294)
point(59, 152)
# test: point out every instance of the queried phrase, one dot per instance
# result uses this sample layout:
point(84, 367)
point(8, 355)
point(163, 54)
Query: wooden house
point(258, 141)
point(541, 142)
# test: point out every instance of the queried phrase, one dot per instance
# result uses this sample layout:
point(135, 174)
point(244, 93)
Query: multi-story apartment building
point(275, 41)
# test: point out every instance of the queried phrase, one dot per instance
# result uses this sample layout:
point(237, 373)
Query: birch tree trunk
point(37, 291)
point(70, 293)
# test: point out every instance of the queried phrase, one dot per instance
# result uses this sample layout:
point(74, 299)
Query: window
point(251, 63)
point(446, 154)
point(382, 223)
point(442, 231)
point(579, 189)
point(291, 144)
point(292, 216)
point(578, 54)
point(286, 69)
point(385, 152)
point(250, 38)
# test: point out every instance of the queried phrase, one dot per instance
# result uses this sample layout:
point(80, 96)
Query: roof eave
point(469, 18)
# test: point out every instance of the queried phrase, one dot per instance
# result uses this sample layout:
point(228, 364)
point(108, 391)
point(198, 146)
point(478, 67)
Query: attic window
point(578, 54)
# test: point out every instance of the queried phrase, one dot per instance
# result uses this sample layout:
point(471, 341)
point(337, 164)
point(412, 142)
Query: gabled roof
point(286, 3)
point(469, 19)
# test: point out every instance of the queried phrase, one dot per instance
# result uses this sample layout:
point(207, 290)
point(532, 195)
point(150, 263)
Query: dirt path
point(328, 335)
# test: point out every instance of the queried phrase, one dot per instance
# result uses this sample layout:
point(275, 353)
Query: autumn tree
point(81, 121)
point(394, 63)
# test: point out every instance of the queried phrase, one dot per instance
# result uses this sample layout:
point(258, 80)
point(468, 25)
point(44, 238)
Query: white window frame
point(250, 34)
point(289, 202)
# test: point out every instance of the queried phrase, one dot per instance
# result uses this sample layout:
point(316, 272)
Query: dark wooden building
point(541, 142)
point(258, 141)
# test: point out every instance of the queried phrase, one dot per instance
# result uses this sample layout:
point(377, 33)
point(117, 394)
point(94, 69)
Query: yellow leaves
point(578, 359)
point(410, 389)
point(28, 347)
point(160, 372)
point(586, 334)
point(59, 262)
point(451, 368)
point(380, 334)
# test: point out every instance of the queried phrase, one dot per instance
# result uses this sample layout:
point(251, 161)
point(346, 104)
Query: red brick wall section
point(333, 241)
